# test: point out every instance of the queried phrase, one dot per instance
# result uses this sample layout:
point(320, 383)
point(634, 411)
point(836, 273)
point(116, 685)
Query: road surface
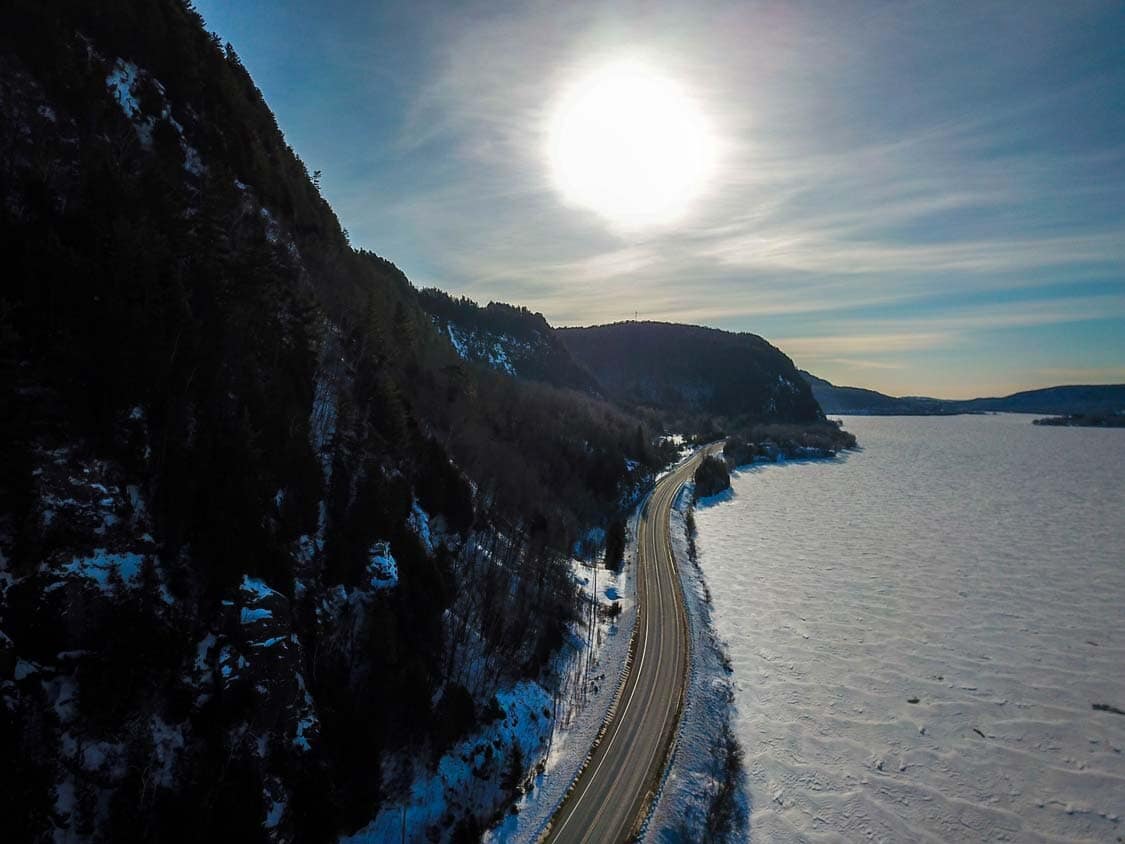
point(613, 793)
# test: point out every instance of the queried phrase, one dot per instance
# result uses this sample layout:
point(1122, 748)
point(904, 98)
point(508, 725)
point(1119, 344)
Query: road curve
point(612, 795)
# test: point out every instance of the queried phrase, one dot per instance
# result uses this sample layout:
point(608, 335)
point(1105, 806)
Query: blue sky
point(923, 198)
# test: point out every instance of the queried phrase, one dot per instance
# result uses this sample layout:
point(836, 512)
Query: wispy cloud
point(886, 178)
point(856, 363)
point(944, 328)
point(829, 346)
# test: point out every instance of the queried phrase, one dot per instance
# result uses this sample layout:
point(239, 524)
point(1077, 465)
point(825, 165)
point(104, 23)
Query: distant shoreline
point(1081, 420)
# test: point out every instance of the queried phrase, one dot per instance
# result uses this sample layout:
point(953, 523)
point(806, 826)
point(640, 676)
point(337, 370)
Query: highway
point(610, 798)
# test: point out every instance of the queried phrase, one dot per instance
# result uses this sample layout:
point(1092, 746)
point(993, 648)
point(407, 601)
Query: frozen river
point(920, 630)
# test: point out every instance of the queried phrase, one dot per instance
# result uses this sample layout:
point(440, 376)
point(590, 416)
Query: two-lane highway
point(611, 796)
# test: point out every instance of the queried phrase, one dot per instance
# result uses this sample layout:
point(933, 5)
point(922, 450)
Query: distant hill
point(1066, 400)
point(1077, 399)
point(863, 402)
point(691, 369)
point(510, 339)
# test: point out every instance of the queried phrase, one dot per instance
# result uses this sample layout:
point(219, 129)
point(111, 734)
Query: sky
point(924, 198)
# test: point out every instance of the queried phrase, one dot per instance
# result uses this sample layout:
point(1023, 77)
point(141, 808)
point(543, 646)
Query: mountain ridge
point(508, 338)
point(1068, 399)
point(691, 370)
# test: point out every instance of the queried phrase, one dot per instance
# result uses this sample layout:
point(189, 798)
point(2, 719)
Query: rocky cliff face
point(509, 339)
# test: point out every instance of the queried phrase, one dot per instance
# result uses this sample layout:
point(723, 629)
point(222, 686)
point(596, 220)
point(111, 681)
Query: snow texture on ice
point(918, 632)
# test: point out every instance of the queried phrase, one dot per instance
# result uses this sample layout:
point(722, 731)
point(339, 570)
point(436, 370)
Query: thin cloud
point(830, 346)
point(853, 177)
point(865, 364)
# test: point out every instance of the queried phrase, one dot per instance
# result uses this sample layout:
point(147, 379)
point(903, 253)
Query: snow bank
point(696, 773)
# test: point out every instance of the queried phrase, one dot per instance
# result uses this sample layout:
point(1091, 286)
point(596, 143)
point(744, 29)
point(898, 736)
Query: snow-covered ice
point(919, 631)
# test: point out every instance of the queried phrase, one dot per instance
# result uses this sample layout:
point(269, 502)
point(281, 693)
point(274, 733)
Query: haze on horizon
point(919, 198)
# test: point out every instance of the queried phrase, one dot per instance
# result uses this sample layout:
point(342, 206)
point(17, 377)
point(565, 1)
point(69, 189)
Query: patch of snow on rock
point(382, 568)
point(256, 587)
point(456, 342)
point(104, 568)
point(121, 80)
point(419, 522)
point(249, 616)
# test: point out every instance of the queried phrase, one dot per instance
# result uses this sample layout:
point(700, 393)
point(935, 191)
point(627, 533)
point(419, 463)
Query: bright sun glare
point(630, 145)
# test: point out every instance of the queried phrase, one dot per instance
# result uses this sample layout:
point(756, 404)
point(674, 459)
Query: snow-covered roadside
point(702, 766)
point(577, 726)
point(537, 730)
point(552, 733)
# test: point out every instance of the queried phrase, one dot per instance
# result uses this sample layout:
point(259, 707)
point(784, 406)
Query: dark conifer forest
point(693, 374)
point(202, 376)
point(264, 532)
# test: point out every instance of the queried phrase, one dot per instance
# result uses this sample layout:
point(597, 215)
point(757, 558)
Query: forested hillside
point(268, 545)
point(692, 372)
point(507, 338)
point(1074, 399)
point(835, 399)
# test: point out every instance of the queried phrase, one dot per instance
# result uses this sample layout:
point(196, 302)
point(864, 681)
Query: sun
point(630, 145)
